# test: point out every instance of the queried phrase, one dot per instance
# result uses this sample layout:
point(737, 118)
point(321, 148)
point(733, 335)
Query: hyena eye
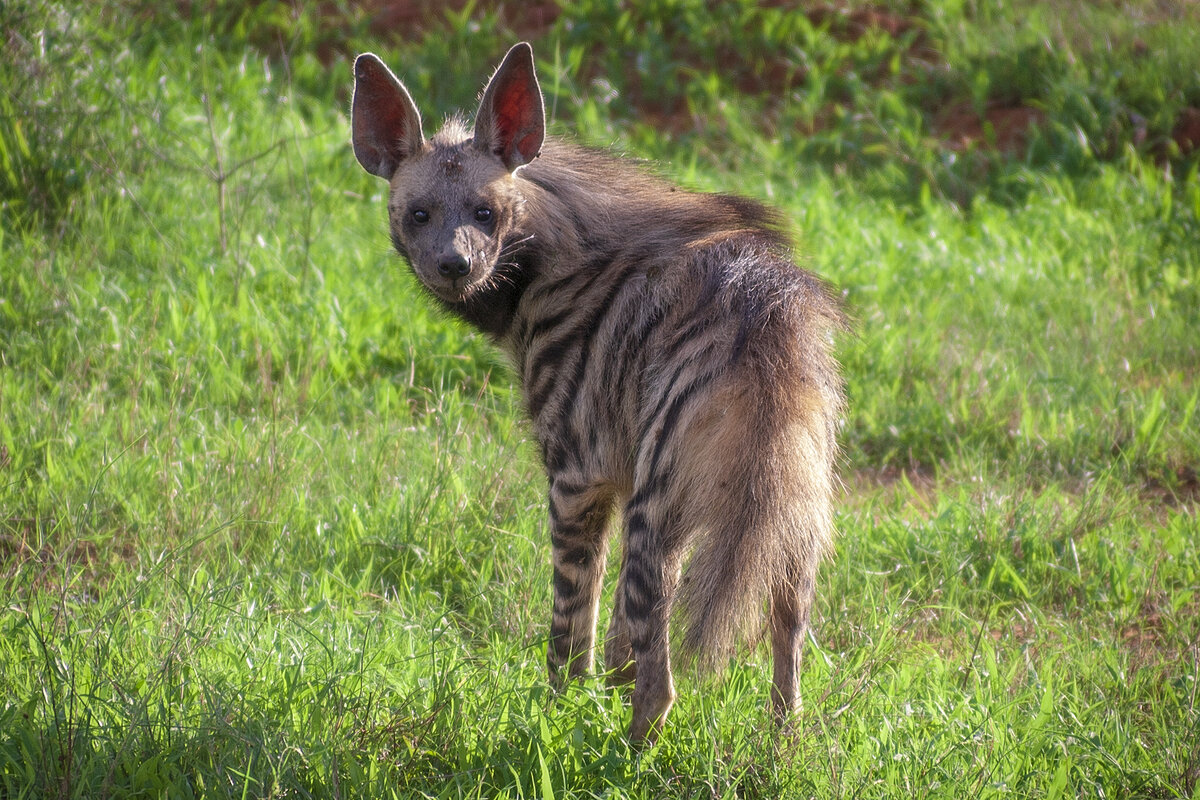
point(420, 216)
point(483, 214)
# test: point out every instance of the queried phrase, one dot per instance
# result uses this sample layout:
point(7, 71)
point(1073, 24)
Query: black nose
point(454, 266)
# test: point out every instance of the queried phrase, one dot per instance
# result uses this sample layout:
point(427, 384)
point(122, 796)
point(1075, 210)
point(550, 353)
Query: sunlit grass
point(270, 526)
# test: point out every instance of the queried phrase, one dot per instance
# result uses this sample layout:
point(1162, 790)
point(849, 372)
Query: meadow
point(270, 526)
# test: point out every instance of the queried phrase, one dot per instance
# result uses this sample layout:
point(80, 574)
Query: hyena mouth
point(458, 290)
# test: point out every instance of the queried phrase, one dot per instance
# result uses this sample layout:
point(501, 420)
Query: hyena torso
point(674, 363)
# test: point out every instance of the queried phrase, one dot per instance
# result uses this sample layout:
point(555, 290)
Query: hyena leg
point(618, 653)
point(579, 540)
point(790, 606)
point(651, 575)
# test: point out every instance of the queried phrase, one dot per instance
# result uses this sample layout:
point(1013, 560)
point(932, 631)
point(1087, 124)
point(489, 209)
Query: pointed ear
point(385, 123)
point(512, 121)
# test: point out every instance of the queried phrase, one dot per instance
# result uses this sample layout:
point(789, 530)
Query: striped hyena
point(674, 363)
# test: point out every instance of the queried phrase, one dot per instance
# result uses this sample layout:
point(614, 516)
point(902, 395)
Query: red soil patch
point(404, 18)
point(1006, 128)
point(853, 23)
point(1186, 133)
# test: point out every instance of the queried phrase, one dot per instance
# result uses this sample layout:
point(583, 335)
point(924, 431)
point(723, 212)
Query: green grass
point(271, 527)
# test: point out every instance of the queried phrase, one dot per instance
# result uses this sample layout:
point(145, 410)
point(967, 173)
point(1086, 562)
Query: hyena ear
point(384, 121)
point(511, 122)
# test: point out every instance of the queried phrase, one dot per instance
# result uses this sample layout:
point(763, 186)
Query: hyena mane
point(675, 364)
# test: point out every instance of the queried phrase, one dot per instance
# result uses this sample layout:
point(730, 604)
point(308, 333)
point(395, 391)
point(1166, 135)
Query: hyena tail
point(761, 469)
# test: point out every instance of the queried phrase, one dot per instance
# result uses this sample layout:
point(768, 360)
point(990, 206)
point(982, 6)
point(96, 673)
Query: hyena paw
point(649, 715)
point(574, 671)
point(645, 729)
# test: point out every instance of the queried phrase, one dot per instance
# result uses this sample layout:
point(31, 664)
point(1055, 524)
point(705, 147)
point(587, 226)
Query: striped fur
point(675, 364)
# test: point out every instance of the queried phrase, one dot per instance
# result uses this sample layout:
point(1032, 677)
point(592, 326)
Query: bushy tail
point(765, 523)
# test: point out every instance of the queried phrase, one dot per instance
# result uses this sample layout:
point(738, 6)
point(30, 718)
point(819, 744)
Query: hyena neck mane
point(585, 211)
point(606, 202)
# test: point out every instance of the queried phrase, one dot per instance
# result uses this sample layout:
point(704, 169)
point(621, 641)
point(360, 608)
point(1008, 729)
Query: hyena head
point(454, 206)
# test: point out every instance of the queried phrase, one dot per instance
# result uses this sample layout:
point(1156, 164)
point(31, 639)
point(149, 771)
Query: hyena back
point(674, 363)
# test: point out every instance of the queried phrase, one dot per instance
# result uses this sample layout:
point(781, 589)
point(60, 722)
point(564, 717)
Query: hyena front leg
point(579, 525)
point(618, 653)
point(649, 579)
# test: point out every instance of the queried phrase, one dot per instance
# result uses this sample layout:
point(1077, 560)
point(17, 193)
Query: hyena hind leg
point(579, 529)
point(790, 608)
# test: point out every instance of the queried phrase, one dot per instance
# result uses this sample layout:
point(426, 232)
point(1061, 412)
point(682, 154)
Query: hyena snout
point(454, 266)
point(459, 259)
